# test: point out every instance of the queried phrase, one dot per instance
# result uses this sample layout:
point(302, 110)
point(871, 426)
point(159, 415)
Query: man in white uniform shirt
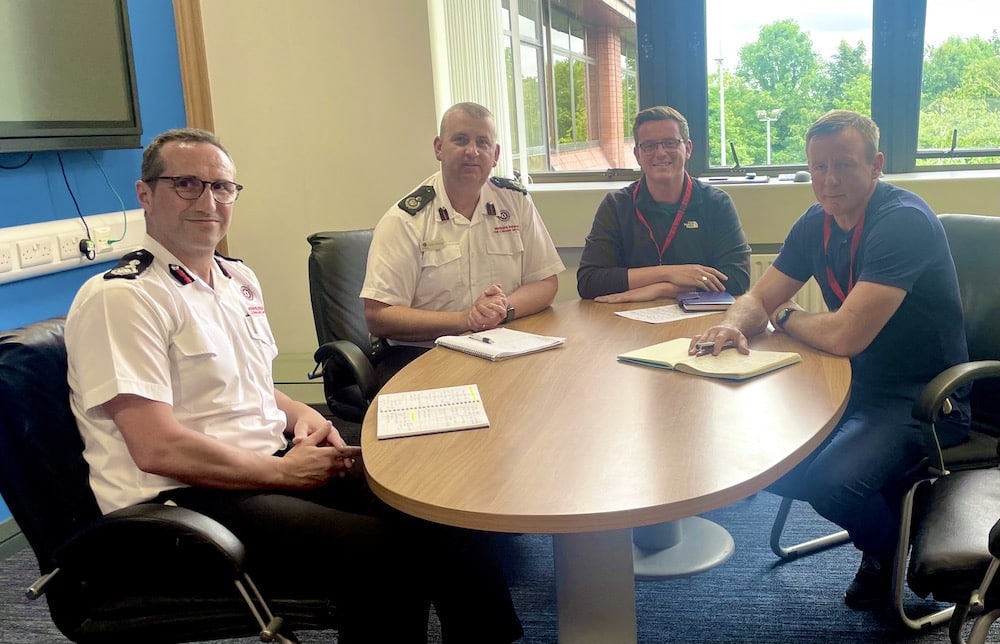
point(462, 252)
point(170, 375)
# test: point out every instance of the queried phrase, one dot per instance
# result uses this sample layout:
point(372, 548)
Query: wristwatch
point(510, 314)
point(782, 317)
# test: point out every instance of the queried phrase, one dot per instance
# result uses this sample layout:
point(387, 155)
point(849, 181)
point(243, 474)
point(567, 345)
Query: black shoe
point(871, 586)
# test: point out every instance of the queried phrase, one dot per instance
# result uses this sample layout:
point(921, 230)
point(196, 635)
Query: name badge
point(432, 244)
point(690, 224)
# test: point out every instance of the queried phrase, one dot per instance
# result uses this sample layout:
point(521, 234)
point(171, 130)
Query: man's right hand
point(722, 335)
point(696, 277)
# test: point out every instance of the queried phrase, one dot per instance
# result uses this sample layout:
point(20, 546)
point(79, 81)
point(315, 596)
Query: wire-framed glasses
point(191, 188)
point(650, 147)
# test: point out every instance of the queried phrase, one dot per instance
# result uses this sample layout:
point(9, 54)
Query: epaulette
point(509, 184)
point(231, 259)
point(131, 265)
point(416, 200)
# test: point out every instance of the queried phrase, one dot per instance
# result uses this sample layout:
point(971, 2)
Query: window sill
point(767, 210)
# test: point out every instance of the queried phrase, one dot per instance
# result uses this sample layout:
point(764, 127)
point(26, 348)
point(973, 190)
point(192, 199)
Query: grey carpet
point(749, 599)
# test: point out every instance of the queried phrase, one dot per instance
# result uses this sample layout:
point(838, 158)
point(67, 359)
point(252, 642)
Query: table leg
point(595, 587)
point(678, 548)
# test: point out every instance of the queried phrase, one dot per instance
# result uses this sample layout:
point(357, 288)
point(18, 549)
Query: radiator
point(809, 297)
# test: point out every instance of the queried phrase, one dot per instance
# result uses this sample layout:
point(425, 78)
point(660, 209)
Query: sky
point(734, 23)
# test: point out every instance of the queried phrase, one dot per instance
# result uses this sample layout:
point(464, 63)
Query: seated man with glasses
point(666, 233)
point(171, 385)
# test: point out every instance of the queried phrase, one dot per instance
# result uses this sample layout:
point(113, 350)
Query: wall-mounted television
point(67, 78)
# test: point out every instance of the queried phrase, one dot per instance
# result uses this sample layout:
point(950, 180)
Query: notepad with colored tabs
point(500, 343)
point(730, 364)
point(428, 411)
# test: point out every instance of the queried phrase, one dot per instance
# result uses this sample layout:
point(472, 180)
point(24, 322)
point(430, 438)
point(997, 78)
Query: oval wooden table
point(585, 447)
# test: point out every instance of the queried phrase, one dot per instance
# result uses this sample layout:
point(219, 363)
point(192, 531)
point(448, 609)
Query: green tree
point(848, 79)
point(946, 65)
point(961, 92)
point(571, 101)
point(780, 70)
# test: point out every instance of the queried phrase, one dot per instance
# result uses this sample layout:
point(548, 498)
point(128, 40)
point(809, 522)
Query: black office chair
point(973, 240)
point(949, 555)
point(146, 573)
point(347, 353)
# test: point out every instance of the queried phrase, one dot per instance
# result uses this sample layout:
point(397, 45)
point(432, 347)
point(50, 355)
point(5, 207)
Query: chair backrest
point(337, 265)
point(975, 246)
point(43, 476)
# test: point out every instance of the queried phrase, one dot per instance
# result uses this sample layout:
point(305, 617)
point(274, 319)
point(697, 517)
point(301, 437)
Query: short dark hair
point(836, 121)
point(660, 113)
point(152, 161)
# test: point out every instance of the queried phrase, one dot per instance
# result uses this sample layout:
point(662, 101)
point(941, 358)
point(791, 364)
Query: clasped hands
point(489, 310)
point(319, 453)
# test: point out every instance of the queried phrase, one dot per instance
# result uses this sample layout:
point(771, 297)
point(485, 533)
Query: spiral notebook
point(500, 343)
point(428, 411)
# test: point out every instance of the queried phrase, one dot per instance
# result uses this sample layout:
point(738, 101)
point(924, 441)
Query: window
point(898, 58)
point(575, 72)
point(959, 90)
point(777, 69)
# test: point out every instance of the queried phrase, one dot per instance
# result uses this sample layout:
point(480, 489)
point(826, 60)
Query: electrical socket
point(102, 239)
point(6, 258)
point(33, 252)
point(69, 246)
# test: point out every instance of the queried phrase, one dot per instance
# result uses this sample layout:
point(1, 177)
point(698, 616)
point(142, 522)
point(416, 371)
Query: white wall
point(328, 107)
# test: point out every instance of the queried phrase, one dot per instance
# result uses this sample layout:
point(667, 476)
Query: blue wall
point(37, 192)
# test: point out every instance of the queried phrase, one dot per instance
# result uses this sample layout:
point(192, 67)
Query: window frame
point(673, 70)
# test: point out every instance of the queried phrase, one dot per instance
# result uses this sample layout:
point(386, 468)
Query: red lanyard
point(855, 242)
point(688, 186)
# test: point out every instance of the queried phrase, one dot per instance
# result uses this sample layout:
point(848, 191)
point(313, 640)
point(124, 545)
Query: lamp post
point(767, 116)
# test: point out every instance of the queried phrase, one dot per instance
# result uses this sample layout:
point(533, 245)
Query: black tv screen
point(67, 79)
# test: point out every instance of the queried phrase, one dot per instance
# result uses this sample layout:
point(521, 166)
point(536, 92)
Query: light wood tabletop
point(580, 443)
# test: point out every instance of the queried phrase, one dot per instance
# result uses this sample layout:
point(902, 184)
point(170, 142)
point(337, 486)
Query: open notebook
point(428, 411)
point(500, 343)
point(730, 364)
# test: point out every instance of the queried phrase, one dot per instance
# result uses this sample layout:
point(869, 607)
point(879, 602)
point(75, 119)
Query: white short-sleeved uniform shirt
point(149, 327)
point(437, 260)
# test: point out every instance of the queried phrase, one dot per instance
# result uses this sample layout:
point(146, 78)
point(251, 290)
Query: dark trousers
point(391, 359)
point(858, 476)
point(382, 568)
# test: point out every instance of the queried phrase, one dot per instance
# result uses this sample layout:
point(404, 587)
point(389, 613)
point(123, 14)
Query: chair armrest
point(346, 356)
point(934, 399)
point(182, 522)
point(88, 547)
point(934, 393)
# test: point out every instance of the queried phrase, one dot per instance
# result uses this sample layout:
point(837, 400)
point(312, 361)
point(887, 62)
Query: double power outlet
point(46, 250)
point(35, 249)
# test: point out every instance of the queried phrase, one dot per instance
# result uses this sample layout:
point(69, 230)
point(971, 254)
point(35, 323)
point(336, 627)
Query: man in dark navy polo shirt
point(882, 261)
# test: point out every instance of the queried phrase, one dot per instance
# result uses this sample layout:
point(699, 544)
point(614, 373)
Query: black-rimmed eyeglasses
point(191, 188)
point(650, 147)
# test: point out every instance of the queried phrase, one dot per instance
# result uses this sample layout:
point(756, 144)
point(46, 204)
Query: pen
point(483, 339)
point(708, 346)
